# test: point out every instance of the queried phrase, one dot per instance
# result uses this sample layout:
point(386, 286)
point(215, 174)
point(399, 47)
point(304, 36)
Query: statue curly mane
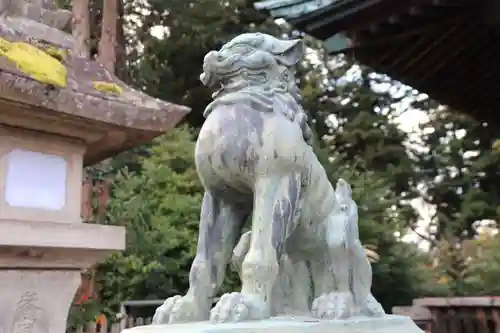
point(252, 70)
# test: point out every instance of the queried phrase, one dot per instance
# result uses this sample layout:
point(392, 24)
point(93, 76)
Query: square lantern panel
point(35, 180)
point(40, 177)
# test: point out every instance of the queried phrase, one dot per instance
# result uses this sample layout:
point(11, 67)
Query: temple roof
point(444, 48)
point(45, 88)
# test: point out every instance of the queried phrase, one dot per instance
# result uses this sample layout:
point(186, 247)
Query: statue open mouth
point(253, 52)
point(217, 66)
point(205, 79)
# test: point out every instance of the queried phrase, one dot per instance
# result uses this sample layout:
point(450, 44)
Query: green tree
point(484, 264)
point(458, 173)
point(160, 208)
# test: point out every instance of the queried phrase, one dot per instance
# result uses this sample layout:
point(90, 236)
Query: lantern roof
point(45, 87)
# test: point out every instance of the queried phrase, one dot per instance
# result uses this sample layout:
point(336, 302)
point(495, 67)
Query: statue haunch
point(254, 159)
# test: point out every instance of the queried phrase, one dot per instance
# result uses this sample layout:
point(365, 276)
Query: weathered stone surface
point(36, 301)
point(44, 12)
point(40, 265)
point(131, 109)
point(254, 158)
point(39, 19)
point(387, 324)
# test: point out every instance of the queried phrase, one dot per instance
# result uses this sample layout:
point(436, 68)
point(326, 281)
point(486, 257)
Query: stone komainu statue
point(254, 159)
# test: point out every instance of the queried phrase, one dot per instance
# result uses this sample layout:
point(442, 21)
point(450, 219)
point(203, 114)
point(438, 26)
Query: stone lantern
point(58, 113)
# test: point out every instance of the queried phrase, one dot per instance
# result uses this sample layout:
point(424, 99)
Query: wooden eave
point(443, 48)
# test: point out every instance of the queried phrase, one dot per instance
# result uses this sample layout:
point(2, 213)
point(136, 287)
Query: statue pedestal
point(387, 324)
point(40, 265)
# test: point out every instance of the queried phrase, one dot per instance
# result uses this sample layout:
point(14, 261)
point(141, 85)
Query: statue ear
point(343, 190)
point(289, 52)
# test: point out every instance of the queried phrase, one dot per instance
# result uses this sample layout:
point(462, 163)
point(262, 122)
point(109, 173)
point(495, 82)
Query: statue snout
point(207, 77)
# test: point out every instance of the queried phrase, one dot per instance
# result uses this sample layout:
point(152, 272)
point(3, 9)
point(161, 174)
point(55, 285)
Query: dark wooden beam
point(487, 86)
point(407, 53)
point(427, 26)
point(368, 41)
point(457, 51)
point(337, 6)
point(322, 27)
point(403, 39)
point(465, 81)
point(358, 15)
point(431, 46)
point(415, 10)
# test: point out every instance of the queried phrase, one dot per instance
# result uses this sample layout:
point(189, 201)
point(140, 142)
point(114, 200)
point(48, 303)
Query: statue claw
point(180, 309)
point(335, 305)
point(237, 307)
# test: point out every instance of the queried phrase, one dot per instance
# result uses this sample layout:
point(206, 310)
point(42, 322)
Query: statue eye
point(241, 48)
point(256, 42)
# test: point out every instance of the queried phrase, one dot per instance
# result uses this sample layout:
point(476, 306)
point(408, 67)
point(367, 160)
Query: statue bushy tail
point(360, 271)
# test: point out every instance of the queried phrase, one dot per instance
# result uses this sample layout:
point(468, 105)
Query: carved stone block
point(387, 324)
point(36, 301)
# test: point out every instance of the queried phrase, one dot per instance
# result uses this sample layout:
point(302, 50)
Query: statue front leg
point(276, 203)
point(334, 299)
point(331, 273)
point(220, 223)
point(361, 282)
point(292, 289)
point(349, 264)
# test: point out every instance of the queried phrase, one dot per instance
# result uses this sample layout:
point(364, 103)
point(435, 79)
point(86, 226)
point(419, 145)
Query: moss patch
point(34, 62)
point(107, 87)
point(57, 53)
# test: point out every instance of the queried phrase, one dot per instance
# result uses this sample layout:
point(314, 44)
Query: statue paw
point(372, 308)
point(335, 305)
point(180, 309)
point(236, 307)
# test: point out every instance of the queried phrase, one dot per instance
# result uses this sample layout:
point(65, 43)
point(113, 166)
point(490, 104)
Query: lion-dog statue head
point(257, 69)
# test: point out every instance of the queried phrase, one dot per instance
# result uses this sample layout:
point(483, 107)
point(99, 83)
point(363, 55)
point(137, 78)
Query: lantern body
point(59, 112)
point(43, 243)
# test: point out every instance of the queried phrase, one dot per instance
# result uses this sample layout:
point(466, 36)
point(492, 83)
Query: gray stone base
point(387, 324)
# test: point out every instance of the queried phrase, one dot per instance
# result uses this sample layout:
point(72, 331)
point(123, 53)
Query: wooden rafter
point(445, 48)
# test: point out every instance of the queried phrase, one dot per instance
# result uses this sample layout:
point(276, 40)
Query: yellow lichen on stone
point(496, 146)
point(107, 87)
point(34, 62)
point(4, 46)
point(56, 53)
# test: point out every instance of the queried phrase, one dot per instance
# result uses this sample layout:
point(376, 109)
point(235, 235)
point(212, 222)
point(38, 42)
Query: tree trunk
point(81, 28)
point(107, 43)
point(121, 70)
